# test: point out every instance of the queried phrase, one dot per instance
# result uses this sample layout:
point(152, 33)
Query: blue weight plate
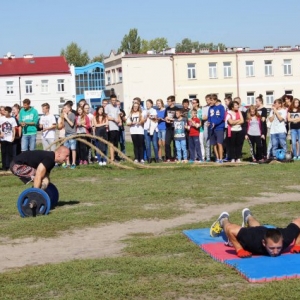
point(37, 196)
point(52, 191)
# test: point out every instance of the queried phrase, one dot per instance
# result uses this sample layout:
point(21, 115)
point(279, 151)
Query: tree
point(187, 45)
point(98, 58)
point(157, 44)
point(75, 56)
point(131, 42)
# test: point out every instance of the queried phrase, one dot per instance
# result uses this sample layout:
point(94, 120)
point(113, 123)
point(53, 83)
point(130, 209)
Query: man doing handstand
point(252, 238)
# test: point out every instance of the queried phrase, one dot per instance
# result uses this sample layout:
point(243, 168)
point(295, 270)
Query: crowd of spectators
point(187, 132)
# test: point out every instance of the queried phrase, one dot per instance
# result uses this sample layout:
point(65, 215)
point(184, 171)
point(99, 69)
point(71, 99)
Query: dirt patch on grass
point(106, 240)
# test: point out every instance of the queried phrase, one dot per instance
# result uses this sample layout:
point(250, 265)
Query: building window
point(9, 87)
point(288, 92)
point(227, 95)
point(113, 79)
point(268, 68)
point(270, 97)
point(250, 98)
point(227, 69)
point(212, 70)
point(28, 86)
point(249, 68)
point(120, 75)
point(44, 86)
point(60, 85)
point(287, 67)
point(191, 71)
point(108, 78)
point(192, 96)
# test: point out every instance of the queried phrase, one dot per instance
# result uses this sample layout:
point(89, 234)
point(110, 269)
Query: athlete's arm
point(39, 176)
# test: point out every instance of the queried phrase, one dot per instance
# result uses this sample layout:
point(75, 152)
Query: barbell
point(33, 202)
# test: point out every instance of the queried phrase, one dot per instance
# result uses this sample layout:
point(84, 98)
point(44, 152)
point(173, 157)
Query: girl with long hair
point(161, 128)
point(100, 129)
point(294, 120)
point(135, 121)
point(234, 120)
point(83, 126)
point(254, 132)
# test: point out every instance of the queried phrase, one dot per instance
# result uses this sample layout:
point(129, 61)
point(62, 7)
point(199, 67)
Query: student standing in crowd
point(28, 120)
point(254, 132)
point(194, 125)
point(263, 114)
point(277, 118)
point(180, 125)
point(113, 114)
point(150, 131)
point(206, 134)
point(47, 125)
point(83, 126)
point(100, 129)
point(161, 128)
point(216, 123)
point(87, 111)
point(18, 133)
point(294, 119)
point(8, 126)
point(234, 120)
point(135, 121)
point(122, 141)
point(70, 129)
point(169, 117)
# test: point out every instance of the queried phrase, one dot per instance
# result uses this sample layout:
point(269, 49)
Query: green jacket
point(28, 116)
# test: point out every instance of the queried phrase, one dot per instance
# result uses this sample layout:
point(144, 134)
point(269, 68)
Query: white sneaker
point(100, 163)
point(136, 161)
point(238, 160)
point(232, 160)
point(142, 161)
point(104, 163)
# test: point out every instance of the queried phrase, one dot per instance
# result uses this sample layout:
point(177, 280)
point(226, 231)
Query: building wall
point(147, 77)
point(37, 97)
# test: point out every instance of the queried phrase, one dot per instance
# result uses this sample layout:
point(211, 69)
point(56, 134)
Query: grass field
point(151, 266)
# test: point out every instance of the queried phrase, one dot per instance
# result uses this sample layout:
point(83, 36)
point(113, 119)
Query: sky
point(44, 27)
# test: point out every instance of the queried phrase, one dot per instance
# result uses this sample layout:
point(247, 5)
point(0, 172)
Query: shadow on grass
point(72, 202)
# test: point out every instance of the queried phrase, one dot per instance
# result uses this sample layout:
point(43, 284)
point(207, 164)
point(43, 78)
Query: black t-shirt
point(170, 113)
point(251, 238)
point(264, 114)
point(34, 158)
point(294, 115)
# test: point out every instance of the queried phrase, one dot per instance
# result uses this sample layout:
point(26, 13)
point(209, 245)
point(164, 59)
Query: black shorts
point(114, 137)
point(251, 238)
point(24, 172)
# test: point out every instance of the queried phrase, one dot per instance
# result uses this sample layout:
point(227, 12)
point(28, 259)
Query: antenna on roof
point(8, 54)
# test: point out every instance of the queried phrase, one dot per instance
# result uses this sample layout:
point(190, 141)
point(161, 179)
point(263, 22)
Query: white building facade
point(40, 79)
point(271, 72)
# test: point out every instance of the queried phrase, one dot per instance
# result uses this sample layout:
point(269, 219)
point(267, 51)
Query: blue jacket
point(216, 117)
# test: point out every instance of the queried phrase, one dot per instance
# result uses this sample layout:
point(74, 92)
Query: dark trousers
point(6, 154)
point(169, 139)
point(194, 147)
point(82, 150)
point(236, 144)
point(16, 147)
point(257, 146)
point(264, 146)
point(113, 137)
point(138, 146)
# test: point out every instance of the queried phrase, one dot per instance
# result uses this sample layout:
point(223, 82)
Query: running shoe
point(100, 163)
point(245, 214)
point(73, 166)
point(217, 227)
point(104, 163)
point(65, 166)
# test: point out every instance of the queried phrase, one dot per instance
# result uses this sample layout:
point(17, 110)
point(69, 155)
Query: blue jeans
point(195, 150)
point(295, 134)
point(278, 139)
point(28, 142)
point(151, 139)
point(181, 146)
point(122, 140)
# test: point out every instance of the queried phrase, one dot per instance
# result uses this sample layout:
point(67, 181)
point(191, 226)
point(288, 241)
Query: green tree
point(75, 56)
point(131, 42)
point(98, 58)
point(187, 45)
point(157, 44)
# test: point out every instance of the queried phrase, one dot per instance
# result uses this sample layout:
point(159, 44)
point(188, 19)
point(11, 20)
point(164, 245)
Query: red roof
point(33, 66)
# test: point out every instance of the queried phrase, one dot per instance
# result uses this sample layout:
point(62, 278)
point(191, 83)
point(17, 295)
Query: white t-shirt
point(6, 127)
point(135, 129)
point(48, 121)
point(112, 112)
point(149, 124)
point(276, 125)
